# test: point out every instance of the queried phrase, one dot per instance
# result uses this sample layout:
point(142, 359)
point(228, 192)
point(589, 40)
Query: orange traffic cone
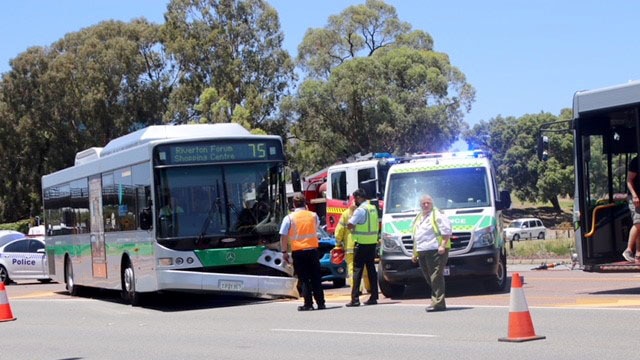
point(520, 324)
point(5, 309)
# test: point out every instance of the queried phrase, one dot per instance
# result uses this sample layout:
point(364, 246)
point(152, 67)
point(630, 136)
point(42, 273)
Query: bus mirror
point(295, 181)
point(543, 148)
point(145, 219)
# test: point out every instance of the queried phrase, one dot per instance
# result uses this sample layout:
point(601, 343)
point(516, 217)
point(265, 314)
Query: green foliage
point(229, 55)
point(513, 143)
point(82, 91)
point(21, 226)
point(536, 249)
point(374, 85)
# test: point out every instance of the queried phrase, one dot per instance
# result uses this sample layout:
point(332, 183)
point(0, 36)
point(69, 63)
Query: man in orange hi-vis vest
point(300, 230)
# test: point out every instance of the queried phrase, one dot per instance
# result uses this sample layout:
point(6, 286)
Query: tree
point(82, 91)
point(374, 85)
point(512, 143)
point(230, 56)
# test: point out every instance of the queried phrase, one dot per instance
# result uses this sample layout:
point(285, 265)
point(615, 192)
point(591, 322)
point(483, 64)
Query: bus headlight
point(391, 243)
point(484, 237)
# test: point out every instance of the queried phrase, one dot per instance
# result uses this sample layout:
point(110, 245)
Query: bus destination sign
point(205, 152)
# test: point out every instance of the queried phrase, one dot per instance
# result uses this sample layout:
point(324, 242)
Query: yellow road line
point(596, 303)
point(34, 295)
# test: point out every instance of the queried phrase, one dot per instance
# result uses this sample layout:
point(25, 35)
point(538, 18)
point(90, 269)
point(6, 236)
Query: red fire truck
point(329, 190)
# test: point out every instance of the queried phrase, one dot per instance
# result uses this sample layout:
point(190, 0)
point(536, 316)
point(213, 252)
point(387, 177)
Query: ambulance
point(463, 186)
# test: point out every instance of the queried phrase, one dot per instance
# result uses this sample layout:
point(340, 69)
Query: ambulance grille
point(459, 240)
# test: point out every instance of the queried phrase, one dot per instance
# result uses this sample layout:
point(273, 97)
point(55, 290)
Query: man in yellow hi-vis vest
point(431, 234)
point(364, 227)
point(345, 240)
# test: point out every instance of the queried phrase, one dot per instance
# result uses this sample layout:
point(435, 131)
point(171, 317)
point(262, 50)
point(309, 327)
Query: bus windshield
point(217, 201)
point(460, 188)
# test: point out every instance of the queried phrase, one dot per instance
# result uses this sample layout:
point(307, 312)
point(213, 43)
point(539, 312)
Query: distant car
point(22, 259)
point(527, 228)
point(330, 271)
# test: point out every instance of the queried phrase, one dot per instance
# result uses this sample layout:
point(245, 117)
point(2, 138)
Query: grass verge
point(541, 249)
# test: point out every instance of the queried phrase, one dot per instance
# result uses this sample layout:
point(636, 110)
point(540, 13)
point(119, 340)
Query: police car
point(23, 258)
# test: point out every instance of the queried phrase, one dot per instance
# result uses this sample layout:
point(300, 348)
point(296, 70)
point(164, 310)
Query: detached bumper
point(248, 285)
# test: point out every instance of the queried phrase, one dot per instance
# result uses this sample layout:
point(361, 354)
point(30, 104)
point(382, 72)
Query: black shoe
point(430, 308)
point(322, 307)
point(371, 302)
point(353, 304)
point(305, 308)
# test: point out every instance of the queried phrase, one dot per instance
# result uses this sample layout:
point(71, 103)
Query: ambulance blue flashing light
point(383, 155)
point(457, 154)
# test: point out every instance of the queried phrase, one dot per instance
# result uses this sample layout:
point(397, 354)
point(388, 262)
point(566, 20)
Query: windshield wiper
point(207, 221)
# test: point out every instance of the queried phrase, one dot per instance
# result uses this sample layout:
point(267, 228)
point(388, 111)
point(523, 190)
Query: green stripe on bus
point(231, 256)
point(143, 249)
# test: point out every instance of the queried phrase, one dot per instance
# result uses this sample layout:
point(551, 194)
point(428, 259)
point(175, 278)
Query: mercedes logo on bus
point(231, 257)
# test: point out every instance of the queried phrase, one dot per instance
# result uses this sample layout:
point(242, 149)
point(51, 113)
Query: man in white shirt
point(431, 235)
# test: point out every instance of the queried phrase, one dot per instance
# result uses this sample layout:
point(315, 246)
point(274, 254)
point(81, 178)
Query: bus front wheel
point(129, 284)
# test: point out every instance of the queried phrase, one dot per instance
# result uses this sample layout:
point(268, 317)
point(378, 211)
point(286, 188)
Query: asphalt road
point(582, 316)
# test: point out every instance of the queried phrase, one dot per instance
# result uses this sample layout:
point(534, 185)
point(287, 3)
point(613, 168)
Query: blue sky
point(521, 56)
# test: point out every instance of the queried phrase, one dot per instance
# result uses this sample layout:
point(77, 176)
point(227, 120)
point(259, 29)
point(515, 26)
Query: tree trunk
point(556, 204)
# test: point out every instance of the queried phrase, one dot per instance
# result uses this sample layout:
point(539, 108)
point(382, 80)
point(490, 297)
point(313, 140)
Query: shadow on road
point(625, 291)
point(454, 288)
point(171, 301)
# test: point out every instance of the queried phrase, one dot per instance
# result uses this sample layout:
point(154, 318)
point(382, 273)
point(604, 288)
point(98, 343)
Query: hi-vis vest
point(434, 225)
point(367, 233)
point(302, 231)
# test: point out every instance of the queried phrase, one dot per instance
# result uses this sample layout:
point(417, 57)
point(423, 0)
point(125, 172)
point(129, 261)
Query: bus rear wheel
point(129, 284)
point(72, 288)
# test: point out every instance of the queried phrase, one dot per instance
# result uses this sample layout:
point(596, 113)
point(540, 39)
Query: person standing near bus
point(300, 229)
point(344, 239)
point(633, 183)
point(431, 234)
point(364, 227)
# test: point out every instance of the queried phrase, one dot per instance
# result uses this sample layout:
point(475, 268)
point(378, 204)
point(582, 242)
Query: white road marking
point(353, 332)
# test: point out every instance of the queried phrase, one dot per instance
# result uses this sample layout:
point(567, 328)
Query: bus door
point(98, 251)
point(606, 144)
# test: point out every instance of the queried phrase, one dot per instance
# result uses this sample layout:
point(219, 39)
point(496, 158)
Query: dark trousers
point(364, 256)
point(306, 265)
point(432, 265)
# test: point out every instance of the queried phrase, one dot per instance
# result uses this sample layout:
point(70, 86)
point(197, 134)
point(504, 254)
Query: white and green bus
point(185, 208)
point(606, 131)
point(463, 185)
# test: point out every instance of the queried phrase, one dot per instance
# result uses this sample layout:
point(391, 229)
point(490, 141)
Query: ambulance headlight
point(484, 237)
point(391, 243)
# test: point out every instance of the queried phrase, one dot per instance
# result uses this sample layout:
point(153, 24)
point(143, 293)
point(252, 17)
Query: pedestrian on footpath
point(431, 235)
point(300, 230)
point(364, 227)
